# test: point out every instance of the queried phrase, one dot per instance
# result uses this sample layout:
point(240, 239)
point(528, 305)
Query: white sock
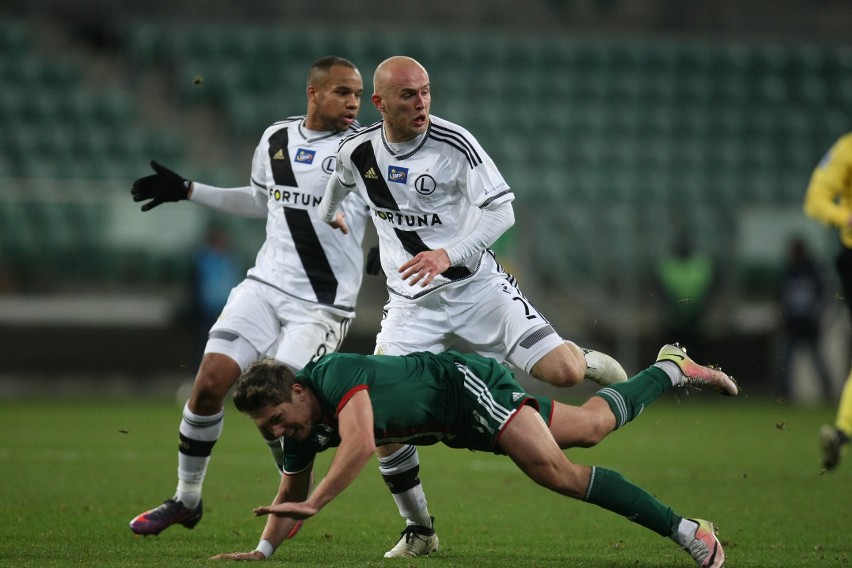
point(672, 370)
point(411, 502)
point(192, 468)
point(685, 531)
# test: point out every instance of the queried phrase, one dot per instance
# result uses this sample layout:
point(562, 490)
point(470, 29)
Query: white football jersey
point(303, 256)
point(426, 198)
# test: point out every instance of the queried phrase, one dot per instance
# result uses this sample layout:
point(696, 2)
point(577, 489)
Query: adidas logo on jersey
point(279, 155)
point(517, 396)
point(371, 173)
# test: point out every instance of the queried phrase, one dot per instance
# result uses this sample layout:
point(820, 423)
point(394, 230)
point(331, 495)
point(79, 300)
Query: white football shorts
point(487, 311)
point(261, 321)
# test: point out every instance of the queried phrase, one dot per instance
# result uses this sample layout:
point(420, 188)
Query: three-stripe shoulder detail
point(457, 140)
point(362, 132)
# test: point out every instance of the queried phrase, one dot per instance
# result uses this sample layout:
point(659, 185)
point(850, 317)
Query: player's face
point(336, 101)
point(405, 103)
point(291, 419)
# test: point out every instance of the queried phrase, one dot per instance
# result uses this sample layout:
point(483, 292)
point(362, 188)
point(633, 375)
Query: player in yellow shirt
point(829, 200)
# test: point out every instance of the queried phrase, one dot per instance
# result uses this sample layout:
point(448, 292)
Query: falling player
point(358, 402)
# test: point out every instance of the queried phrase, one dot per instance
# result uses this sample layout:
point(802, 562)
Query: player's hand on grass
point(163, 186)
point(253, 555)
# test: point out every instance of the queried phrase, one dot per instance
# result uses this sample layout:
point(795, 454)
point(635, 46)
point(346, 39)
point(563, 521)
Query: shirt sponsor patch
point(304, 156)
point(397, 174)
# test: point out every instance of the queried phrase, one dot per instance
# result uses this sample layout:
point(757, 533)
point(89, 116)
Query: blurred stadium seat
point(647, 125)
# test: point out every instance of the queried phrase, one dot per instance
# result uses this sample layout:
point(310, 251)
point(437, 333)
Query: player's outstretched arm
point(160, 187)
point(293, 488)
point(827, 182)
point(357, 446)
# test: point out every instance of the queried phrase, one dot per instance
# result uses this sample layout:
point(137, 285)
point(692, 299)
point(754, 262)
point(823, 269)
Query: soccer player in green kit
point(356, 402)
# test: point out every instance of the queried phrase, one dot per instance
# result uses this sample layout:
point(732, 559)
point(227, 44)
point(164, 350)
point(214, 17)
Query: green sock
point(610, 490)
point(628, 399)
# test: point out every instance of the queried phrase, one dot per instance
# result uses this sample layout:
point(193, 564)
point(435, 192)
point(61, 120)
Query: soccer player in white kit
point(297, 301)
point(438, 202)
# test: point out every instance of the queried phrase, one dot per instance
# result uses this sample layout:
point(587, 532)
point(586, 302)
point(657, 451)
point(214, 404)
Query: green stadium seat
point(167, 147)
point(12, 101)
point(111, 108)
point(21, 231)
point(207, 43)
point(40, 106)
point(635, 123)
point(14, 37)
point(77, 108)
point(146, 43)
point(550, 184)
point(55, 142)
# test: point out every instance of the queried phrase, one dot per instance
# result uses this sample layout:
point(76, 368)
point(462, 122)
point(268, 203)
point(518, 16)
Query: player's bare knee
point(207, 397)
point(560, 368)
point(211, 385)
point(387, 450)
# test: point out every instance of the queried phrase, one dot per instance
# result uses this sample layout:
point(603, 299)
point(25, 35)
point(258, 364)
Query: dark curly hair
point(266, 382)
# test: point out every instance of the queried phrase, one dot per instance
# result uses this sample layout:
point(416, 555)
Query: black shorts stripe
point(308, 246)
point(537, 336)
point(224, 334)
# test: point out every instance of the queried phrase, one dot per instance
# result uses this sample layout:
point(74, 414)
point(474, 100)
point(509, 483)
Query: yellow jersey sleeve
point(829, 195)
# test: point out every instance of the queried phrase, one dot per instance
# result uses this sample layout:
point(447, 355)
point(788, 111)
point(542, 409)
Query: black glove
point(163, 186)
point(374, 262)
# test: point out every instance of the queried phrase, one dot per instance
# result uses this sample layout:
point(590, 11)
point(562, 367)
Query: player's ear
point(298, 392)
point(377, 102)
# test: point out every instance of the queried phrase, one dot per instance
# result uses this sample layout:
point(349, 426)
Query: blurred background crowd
point(659, 152)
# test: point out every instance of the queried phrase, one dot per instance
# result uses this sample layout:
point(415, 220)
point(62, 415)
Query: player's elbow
point(365, 448)
point(510, 217)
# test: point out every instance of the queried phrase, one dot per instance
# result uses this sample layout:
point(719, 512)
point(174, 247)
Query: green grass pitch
point(72, 475)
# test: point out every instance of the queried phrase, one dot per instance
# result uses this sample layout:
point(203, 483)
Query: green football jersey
point(462, 400)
